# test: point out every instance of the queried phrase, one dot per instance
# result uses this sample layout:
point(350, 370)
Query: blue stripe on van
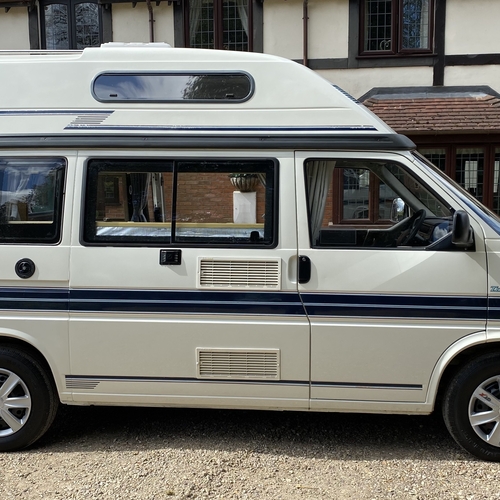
point(39, 299)
point(395, 306)
point(245, 302)
point(187, 301)
point(494, 308)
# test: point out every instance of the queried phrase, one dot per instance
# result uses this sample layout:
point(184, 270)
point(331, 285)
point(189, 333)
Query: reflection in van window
point(30, 199)
point(172, 87)
point(355, 203)
point(181, 202)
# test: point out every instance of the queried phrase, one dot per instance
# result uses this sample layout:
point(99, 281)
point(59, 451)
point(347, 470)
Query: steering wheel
point(413, 224)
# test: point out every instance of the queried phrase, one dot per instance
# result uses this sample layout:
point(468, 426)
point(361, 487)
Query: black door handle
point(304, 271)
point(25, 268)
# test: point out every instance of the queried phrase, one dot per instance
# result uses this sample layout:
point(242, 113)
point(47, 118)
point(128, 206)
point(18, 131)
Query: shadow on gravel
point(335, 436)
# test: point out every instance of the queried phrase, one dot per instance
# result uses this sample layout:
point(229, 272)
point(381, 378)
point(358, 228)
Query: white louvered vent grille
point(252, 274)
point(88, 119)
point(81, 383)
point(238, 364)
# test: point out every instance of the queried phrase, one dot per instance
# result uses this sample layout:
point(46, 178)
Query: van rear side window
point(31, 193)
point(195, 202)
point(173, 87)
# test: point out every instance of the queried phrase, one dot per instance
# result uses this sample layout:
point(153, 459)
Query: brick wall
point(201, 197)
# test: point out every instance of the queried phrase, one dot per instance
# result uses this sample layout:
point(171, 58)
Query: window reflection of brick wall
point(117, 210)
point(208, 197)
point(204, 197)
point(329, 215)
point(201, 197)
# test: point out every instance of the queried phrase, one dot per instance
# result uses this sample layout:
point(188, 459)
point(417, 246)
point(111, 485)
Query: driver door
point(383, 306)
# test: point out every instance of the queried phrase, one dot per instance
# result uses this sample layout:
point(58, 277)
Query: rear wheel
point(471, 407)
point(28, 401)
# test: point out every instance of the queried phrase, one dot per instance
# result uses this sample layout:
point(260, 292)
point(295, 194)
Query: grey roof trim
point(428, 92)
point(366, 142)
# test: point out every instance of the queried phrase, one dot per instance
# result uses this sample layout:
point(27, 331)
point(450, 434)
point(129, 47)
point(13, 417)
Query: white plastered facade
point(14, 29)
point(131, 24)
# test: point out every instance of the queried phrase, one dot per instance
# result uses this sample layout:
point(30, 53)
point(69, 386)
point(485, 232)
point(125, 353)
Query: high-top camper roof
point(152, 91)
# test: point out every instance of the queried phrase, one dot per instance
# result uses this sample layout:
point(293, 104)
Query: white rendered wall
point(359, 81)
point(327, 28)
point(472, 27)
point(283, 28)
point(473, 75)
point(14, 32)
point(132, 24)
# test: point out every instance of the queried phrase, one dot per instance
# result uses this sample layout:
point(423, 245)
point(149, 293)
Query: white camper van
point(228, 230)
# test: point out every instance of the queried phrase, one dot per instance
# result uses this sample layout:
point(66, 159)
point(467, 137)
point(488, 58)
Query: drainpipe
point(151, 22)
point(305, 17)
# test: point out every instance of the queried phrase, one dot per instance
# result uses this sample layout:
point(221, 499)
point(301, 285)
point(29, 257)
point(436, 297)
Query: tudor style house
point(429, 68)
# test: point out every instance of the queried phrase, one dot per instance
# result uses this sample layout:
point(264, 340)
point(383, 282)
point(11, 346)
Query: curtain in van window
point(319, 178)
point(139, 184)
point(20, 190)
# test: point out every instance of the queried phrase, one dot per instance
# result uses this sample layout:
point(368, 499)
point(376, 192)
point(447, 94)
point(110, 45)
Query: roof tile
point(438, 114)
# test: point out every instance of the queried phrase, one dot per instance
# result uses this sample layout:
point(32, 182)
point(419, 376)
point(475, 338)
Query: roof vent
point(147, 45)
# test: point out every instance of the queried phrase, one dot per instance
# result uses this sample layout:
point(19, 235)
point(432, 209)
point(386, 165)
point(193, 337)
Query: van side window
point(183, 203)
point(173, 87)
point(31, 194)
point(364, 203)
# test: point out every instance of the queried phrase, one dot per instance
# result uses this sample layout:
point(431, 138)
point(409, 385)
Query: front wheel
point(471, 407)
point(27, 400)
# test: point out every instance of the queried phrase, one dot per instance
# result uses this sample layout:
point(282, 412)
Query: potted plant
point(244, 182)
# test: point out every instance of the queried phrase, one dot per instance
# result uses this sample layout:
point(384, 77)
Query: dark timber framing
point(439, 60)
point(440, 27)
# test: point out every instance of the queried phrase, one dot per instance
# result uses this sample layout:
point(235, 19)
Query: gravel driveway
point(157, 454)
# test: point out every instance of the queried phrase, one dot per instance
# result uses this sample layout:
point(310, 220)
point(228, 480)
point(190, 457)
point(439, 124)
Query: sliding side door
point(184, 284)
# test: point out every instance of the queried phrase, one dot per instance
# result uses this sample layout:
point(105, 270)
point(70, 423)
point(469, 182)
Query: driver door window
point(366, 204)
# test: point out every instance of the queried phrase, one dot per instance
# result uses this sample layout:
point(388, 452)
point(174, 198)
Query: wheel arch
point(29, 349)
point(454, 358)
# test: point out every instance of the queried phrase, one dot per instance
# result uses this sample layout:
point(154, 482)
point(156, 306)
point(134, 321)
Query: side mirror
point(397, 210)
point(461, 233)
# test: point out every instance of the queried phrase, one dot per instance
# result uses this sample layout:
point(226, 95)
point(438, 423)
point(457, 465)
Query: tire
point(471, 407)
point(28, 402)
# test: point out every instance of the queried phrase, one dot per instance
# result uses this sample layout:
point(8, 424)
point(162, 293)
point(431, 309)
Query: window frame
point(368, 224)
point(38, 233)
point(450, 144)
point(373, 202)
point(396, 33)
point(88, 235)
point(218, 24)
point(97, 93)
point(70, 5)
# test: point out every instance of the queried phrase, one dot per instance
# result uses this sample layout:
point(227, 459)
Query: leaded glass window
point(219, 24)
point(68, 24)
point(396, 26)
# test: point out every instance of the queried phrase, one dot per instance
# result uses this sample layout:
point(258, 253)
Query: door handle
point(25, 268)
point(304, 271)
